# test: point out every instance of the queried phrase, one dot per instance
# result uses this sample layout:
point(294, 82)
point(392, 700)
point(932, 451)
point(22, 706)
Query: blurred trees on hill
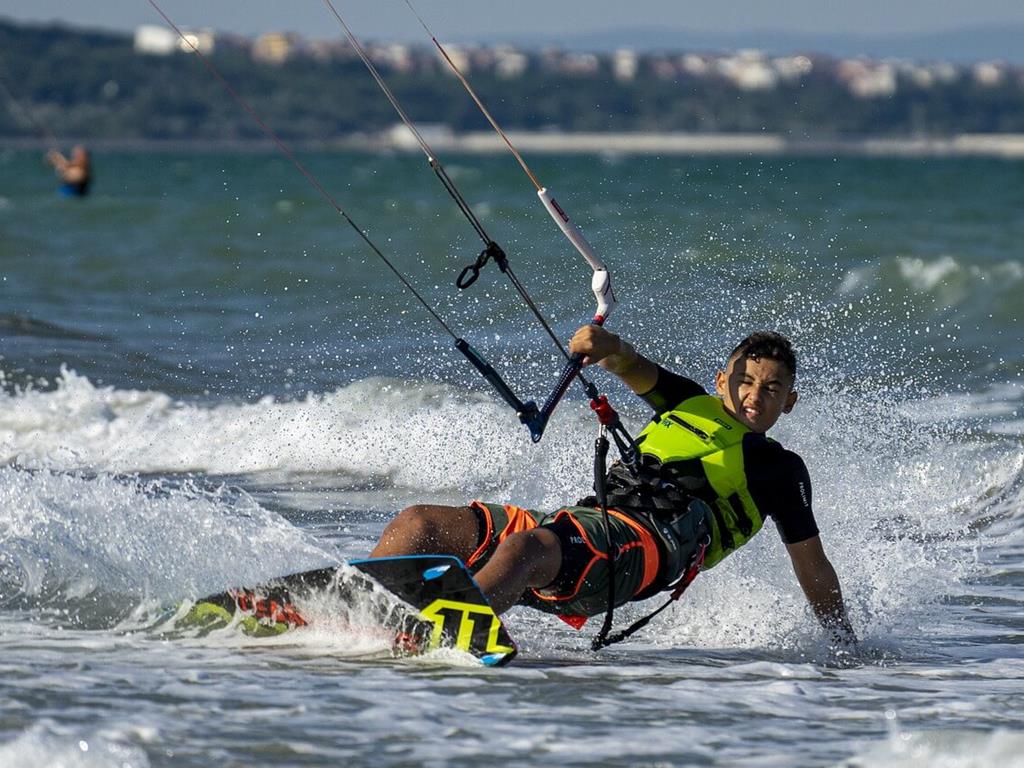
point(94, 85)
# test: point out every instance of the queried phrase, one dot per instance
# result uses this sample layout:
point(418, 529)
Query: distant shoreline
point(1006, 146)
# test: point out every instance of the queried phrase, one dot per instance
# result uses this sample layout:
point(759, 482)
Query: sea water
point(208, 379)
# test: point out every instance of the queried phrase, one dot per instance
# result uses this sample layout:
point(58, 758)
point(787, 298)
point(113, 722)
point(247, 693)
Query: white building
point(155, 41)
point(161, 41)
point(793, 67)
point(748, 70)
point(625, 65)
point(394, 56)
point(509, 63)
point(582, 64)
point(695, 65)
point(460, 58)
point(988, 74)
point(868, 79)
point(275, 47)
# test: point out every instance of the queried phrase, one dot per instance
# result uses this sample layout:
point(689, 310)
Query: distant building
point(460, 58)
point(161, 41)
point(988, 74)
point(663, 67)
point(155, 41)
point(330, 50)
point(482, 58)
point(625, 65)
point(945, 72)
point(748, 70)
point(693, 64)
point(275, 47)
point(867, 79)
point(579, 64)
point(793, 67)
point(510, 63)
point(202, 41)
point(922, 77)
point(394, 56)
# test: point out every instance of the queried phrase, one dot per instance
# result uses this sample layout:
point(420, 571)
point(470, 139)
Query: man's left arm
point(820, 584)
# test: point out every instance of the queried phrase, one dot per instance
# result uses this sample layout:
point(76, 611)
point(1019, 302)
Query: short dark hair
point(767, 344)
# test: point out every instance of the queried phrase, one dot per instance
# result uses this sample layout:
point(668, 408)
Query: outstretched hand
point(596, 345)
point(616, 356)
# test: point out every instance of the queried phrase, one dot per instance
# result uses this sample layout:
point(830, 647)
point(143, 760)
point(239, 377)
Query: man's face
point(756, 391)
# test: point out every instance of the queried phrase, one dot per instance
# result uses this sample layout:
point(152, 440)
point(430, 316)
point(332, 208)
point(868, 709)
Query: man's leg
point(428, 529)
point(523, 560)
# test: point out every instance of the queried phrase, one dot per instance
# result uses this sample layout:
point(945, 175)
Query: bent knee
point(539, 545)
point(418, 519)
point(538, 550)
point(426, 528)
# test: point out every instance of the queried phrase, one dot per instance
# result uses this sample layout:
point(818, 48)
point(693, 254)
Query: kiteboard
point(440, 605)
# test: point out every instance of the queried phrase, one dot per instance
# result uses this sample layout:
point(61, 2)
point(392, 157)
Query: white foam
point(382, 431)
point(56, 746)
point(946, 277)
point(945, 748)
point(65, 538)
point(895, 501)
point(925, 275)
point(856, 279)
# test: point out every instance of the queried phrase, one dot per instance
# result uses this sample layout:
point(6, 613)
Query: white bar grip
point(601, 283)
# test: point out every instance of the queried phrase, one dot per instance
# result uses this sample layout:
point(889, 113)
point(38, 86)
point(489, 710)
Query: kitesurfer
point(707, 479)
point(75, 173)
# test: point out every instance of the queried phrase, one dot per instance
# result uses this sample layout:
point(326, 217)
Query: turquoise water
point(207, 379)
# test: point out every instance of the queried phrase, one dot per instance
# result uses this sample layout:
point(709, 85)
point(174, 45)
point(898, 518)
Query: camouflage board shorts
point(581, 587)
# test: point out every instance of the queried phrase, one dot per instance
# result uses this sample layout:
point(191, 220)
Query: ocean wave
point(53, 744)
point(13, 324)
point(994, 409)
point(379, 432)
point(94, 548)
point(959, 748)
point(949, 279)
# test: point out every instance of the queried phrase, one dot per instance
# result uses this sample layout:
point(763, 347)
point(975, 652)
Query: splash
point(48, 743)
point(376, 433)
point(92, 548)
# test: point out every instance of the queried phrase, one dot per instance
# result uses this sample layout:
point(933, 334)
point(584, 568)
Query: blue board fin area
point(450, 610)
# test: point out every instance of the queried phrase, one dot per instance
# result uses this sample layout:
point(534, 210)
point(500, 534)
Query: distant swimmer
point(75, 173)
point(706, 481)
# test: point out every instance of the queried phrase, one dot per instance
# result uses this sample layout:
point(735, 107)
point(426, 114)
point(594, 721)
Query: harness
point(688, 485)
point(693, 451)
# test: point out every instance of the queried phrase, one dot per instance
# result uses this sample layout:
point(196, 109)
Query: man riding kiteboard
point(706, 479)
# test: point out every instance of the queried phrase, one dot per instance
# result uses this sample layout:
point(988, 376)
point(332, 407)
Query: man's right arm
point(615, 355)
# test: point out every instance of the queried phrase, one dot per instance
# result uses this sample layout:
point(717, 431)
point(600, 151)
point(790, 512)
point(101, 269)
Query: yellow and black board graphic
point(443, 592)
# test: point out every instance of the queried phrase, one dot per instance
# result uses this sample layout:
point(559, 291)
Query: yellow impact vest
point(698, 437)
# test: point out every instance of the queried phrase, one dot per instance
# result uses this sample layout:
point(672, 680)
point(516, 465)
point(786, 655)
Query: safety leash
point(608, 420)
point(602, 640)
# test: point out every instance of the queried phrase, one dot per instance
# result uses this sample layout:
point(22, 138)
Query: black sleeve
point(781, 486)
point(670, 389)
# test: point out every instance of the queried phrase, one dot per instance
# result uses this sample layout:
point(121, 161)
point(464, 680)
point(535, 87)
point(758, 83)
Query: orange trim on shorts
point(519, 519)
point(652, 556)
point(596, 555)
point(646, 544)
